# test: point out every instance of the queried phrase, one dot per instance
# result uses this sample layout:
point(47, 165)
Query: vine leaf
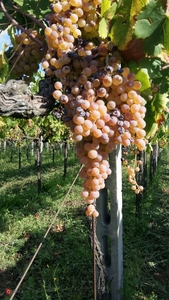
point(153, 66)
point(11, 33)
point(166, 34)
point(151, 17)
point(154, 111)
point(107, 15)
point(121, 31)
point(152, 131)
point(4, 68)
point(103, 28)
point(40, 9)
point(105, 5)
point(159, 103)
point(142, 76)
point(150, 119)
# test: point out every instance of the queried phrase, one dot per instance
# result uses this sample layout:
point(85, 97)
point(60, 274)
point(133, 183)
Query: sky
point(4, 38)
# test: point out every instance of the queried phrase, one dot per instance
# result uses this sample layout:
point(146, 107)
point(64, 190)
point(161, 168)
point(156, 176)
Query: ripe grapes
point(102, 100)
point(27, 55)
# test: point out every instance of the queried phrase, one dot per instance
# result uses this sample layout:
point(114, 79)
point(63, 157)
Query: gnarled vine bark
point(16, 100)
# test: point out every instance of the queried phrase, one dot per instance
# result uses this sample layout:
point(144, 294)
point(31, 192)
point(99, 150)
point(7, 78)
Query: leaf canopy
point(39, 8)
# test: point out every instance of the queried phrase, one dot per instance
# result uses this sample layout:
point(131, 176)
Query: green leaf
point(152, 131)
point(39, 10)
point(152, 44)
point(11, 33)
point(164, 86)
point(159, 102)
point(153, 66)
point(154, 110)
point(166, 34)
point(149, 19)
point(103, 29)
point(121, 31)
point(105, 5)
point(3, 65)
point(109, 14)
point(150, 119)
point(142, 76)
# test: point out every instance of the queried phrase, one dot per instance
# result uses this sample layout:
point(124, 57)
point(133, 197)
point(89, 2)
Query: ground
point(63, 266)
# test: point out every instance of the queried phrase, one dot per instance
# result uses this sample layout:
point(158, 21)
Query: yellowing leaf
point(122, 26)
point(105, 5)
point(109, 14)
point(2, 123)
point(152, 131)
point(159, 102)
point(3, 65)
point(103, 30)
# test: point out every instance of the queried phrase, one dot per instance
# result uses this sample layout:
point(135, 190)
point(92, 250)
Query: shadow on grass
point(146, 241)
point(29, 167)
point(63, 267)
point(19, 189)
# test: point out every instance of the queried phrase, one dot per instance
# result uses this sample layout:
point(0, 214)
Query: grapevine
point(109, 64)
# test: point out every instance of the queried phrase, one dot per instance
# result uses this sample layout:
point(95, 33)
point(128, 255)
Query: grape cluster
point(69, 21)
point(103, 108)
point(27, 55)
point(102, 102)
point(132, 170)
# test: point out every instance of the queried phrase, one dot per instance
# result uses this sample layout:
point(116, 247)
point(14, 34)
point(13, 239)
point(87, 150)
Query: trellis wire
point(44, 237)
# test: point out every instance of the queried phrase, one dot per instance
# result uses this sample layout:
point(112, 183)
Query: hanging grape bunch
point(27, 55)
point(103, 105)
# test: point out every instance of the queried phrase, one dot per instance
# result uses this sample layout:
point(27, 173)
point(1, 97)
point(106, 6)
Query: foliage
point(34, 84)
point(131, 25)
point(3, 65)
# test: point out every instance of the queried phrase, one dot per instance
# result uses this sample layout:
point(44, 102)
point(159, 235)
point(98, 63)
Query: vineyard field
point(63, 266)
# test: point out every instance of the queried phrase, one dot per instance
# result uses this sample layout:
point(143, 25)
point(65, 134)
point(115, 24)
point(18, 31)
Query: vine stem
point(38, 22)
point(165, 67)
point(14, 22)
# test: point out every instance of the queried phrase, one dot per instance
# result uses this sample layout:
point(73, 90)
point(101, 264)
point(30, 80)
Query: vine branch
point(38, 22)
point(14, 22)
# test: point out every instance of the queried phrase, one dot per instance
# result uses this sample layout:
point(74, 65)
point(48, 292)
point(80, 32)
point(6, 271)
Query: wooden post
point(109, 233)
point(65, 158)
point(32, 148)
point(19, 156)
point(4, 145)
point(39, 164)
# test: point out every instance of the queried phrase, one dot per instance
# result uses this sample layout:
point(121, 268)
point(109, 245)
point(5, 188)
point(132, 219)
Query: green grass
point(146, 240)
point(63, 267)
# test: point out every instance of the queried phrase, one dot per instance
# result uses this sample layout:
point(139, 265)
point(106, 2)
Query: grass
point(146, 240)
point(63, 267)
